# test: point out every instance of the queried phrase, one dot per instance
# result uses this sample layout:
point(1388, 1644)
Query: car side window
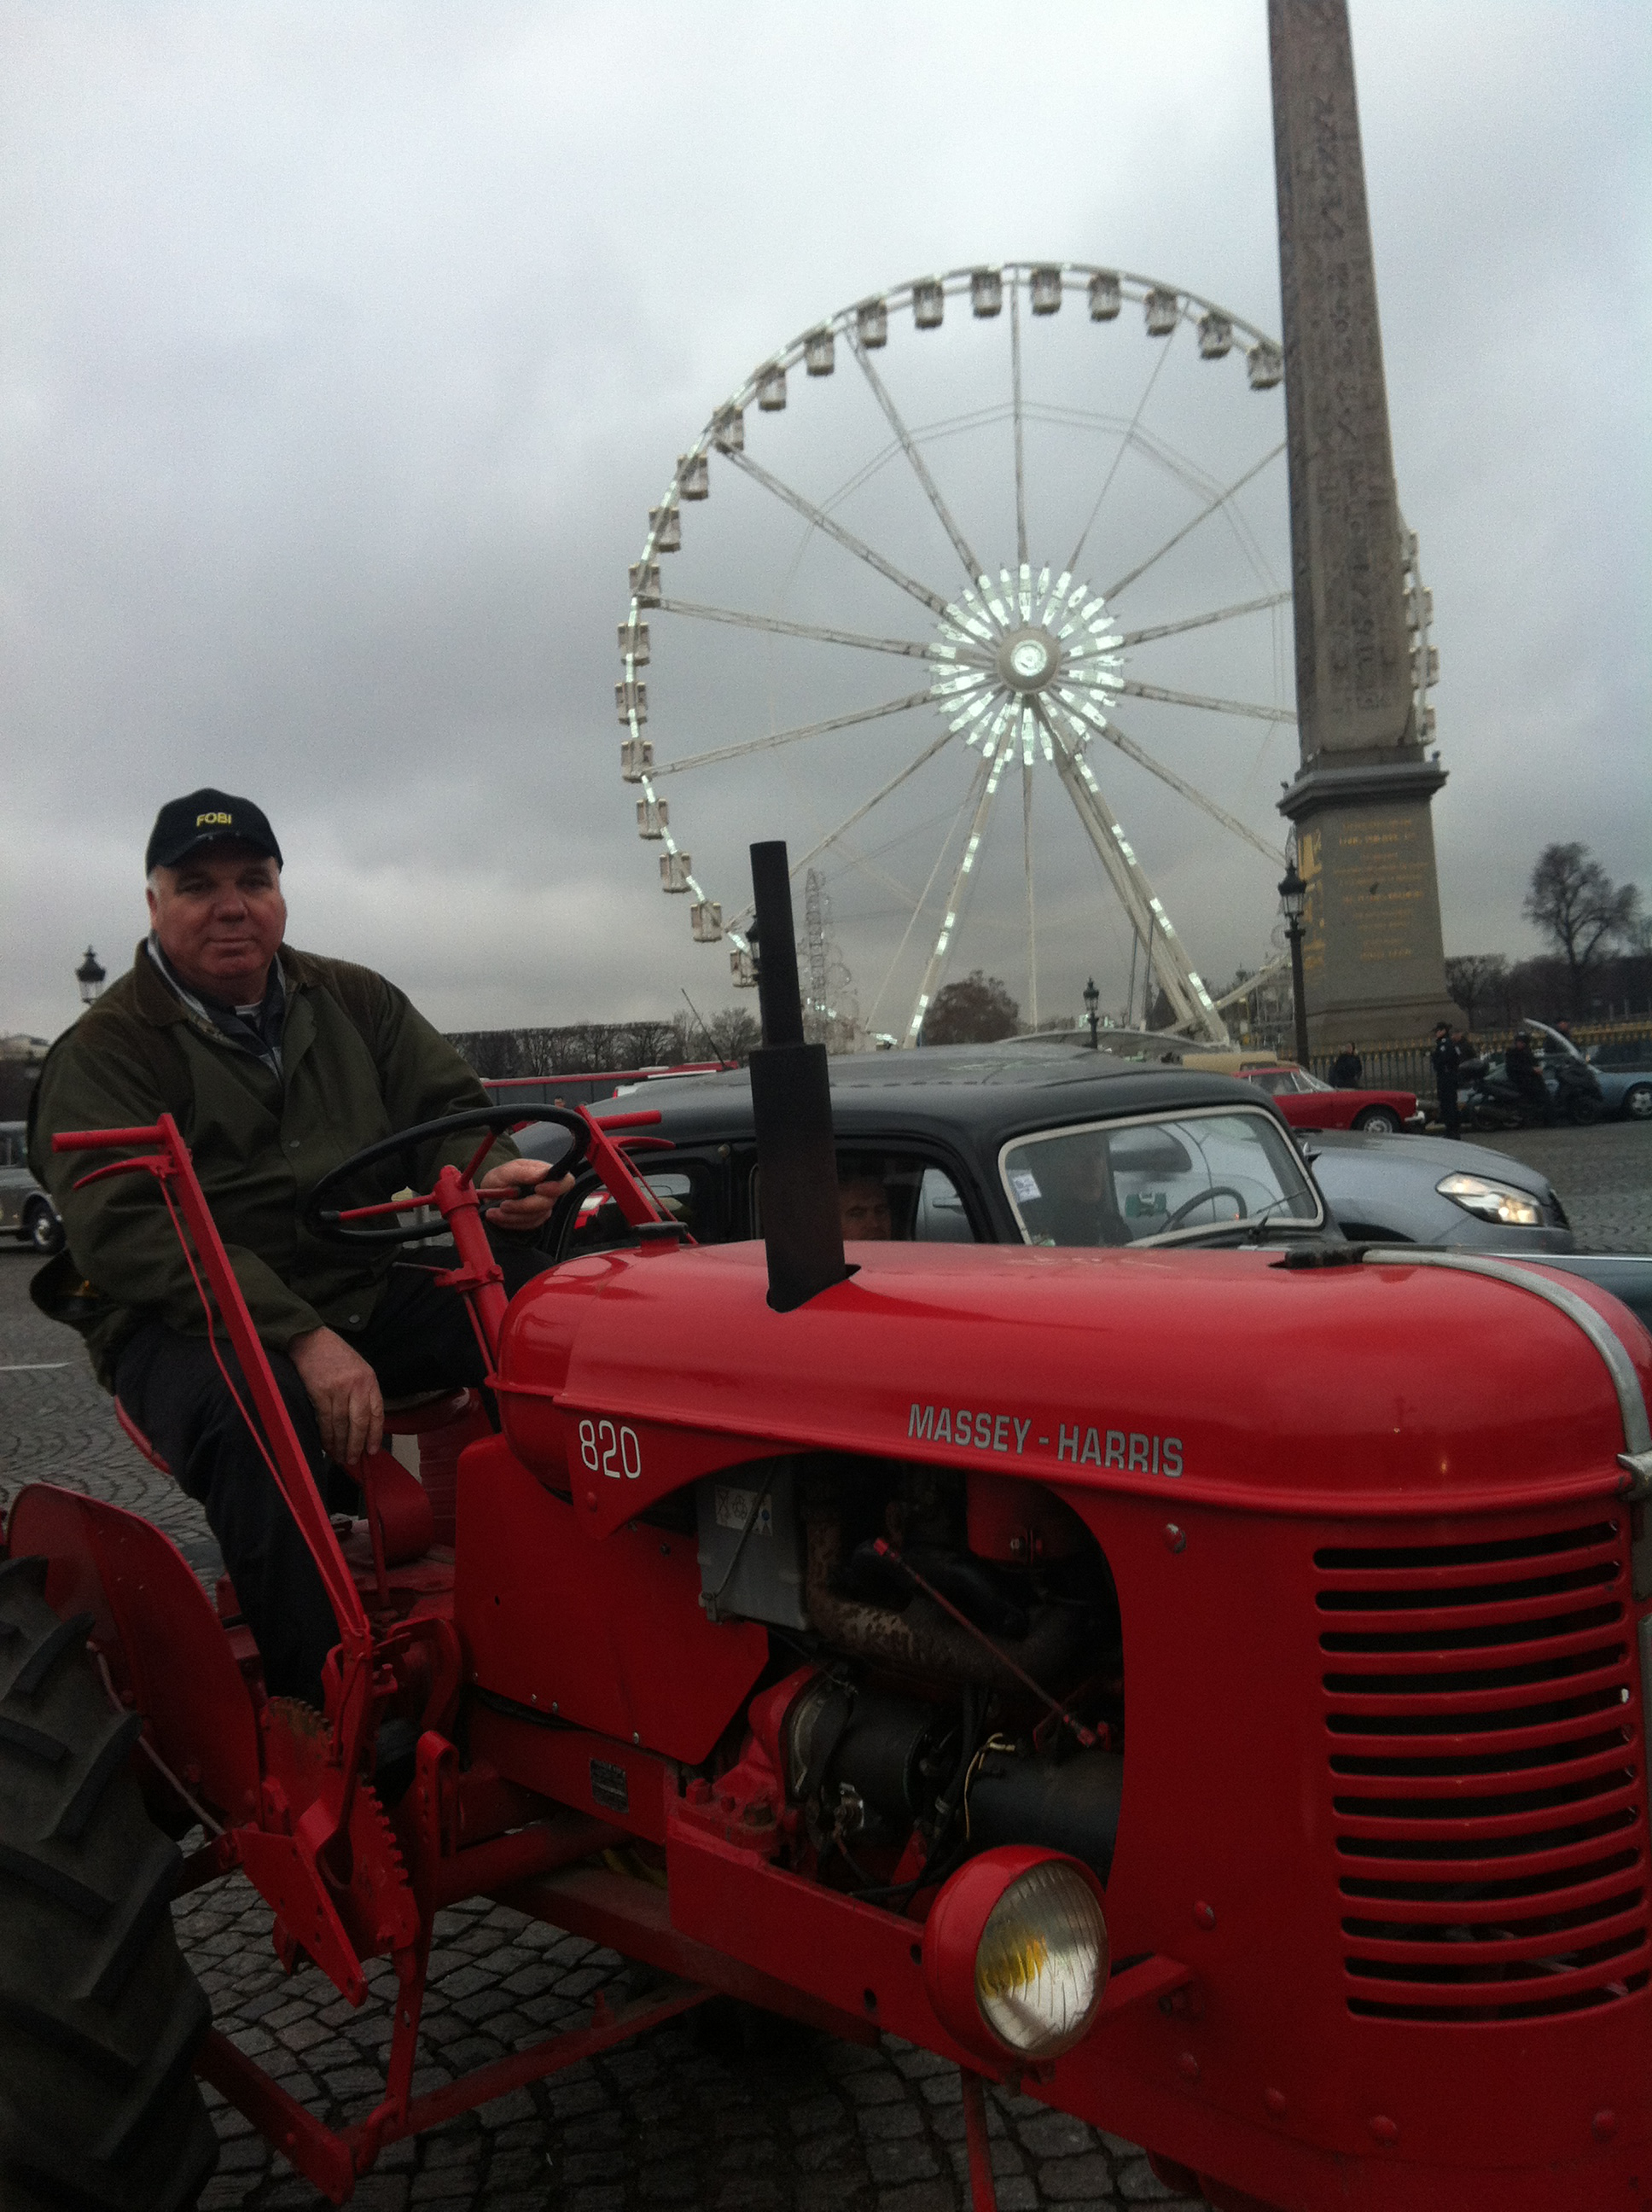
point(888, 1196)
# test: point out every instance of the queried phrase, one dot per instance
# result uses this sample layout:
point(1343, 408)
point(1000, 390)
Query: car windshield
point(1148, 1181)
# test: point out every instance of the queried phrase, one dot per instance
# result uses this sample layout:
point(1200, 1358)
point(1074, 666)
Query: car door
point(14, 1179)
point(1311, 1105)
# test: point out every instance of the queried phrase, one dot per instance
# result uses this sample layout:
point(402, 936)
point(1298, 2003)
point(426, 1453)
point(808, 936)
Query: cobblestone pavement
point(1603, 1175)
point(723, 2109)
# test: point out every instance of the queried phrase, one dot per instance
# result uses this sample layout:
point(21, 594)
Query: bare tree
point(1581, 911)
point(1473, 978)
point(651, 1042)
point(734, 1032)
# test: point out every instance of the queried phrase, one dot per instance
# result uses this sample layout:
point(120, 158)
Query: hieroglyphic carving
point(1354, 686)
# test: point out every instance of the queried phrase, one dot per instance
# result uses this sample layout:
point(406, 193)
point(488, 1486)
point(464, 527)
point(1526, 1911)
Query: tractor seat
point(423, 1410)
point(401, 1520)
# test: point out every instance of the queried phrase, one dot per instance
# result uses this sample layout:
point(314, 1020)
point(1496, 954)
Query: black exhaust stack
point(790, 1107)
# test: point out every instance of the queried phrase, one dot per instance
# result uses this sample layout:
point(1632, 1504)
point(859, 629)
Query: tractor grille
point(1485, 1775)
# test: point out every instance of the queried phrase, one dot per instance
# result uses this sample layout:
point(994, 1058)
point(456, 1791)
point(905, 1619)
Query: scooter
point(1491, 1100)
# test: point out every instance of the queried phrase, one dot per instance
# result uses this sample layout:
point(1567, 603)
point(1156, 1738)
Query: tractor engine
point(962, 1684)
point(872, 1668)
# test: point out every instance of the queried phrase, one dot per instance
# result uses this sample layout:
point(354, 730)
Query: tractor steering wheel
point(336, 1224)
point(1203, 1198)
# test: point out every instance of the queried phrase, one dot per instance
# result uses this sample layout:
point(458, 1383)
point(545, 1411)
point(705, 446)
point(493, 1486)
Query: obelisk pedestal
point(1373, 956)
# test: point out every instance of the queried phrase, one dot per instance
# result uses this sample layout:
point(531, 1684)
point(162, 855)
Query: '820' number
point(610, 1448)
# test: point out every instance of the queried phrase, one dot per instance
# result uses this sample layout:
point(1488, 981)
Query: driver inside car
point(863, 1204)
point(277, 1065)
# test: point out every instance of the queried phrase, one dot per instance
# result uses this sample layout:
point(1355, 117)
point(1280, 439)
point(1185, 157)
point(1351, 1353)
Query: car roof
point(983, 1089)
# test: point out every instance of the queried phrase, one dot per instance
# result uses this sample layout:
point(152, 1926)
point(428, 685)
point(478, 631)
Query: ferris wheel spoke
point(1183, 984)
point(1212, 706)
point(1014, 390)
point(1264, 974)
point(920, 468)
point(1109, 729)
point(1032, 910)
point(860, 813)
point(1204, 622)
point(833, 529)
point(1125, 443)
point(899, 952)
point(782, 627)
point(778, 738)
point(1211, 507)
point(987, 774)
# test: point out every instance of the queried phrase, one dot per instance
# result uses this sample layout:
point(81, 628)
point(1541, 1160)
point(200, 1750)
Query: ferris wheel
point(942, 478)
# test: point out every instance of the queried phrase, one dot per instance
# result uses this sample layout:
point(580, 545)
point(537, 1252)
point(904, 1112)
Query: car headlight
point(1492, 1201)
point(1016, 1952)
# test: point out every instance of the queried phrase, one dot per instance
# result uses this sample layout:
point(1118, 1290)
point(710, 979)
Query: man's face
point(863, 1209)
point(219, 917)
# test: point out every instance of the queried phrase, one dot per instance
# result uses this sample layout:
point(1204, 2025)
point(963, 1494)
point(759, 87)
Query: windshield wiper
point(1258, 1228)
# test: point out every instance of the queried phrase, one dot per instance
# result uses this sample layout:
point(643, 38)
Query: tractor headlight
point(1492, 1201)
point(1016, 1952)
point(1042, 1960)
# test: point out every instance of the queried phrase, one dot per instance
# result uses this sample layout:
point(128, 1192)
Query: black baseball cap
point(207, 818)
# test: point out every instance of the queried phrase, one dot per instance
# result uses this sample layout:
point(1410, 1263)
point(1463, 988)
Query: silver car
point(1434, 1190)
point(26, 1212)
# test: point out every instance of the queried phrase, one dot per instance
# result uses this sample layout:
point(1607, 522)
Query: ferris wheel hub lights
point(1028, 658)
point(1016, 1953)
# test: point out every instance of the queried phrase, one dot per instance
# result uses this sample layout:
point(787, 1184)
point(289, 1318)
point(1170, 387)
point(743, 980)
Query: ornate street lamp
point(90, 976)
point(1092, 1001)
point(1293, 899)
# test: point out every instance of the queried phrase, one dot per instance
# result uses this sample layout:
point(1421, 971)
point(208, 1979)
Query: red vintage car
point(1308, 1103)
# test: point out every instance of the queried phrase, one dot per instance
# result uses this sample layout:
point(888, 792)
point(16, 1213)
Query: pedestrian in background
point(1346, 1070)
point(1446, 1058)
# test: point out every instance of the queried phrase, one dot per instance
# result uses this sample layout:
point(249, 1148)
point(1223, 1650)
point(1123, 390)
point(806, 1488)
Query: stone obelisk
point(1373, 958)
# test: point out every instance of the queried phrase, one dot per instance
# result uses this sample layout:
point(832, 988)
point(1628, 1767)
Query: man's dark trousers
point(420, 1338)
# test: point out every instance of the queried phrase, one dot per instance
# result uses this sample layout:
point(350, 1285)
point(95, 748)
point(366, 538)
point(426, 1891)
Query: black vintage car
point(1014, 1144)
point(986, 1145)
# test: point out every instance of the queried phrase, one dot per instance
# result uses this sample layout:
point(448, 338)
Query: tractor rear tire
point(99, 2015)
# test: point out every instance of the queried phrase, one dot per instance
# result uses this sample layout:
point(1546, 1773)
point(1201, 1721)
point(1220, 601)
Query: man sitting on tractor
point(277, 1065)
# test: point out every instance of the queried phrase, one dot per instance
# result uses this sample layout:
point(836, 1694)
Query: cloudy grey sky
point(344, 349)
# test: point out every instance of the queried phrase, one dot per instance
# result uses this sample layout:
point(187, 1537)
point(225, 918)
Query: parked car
point(1623, 1072)
point(1308, 1103)
point(26, 1212)
point(584, 1090)
point(1055, 1146)
point(1435, 1190)
point(986, 1145)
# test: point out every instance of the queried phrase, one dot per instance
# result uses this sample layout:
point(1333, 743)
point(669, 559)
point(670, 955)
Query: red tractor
point(1209, 1686)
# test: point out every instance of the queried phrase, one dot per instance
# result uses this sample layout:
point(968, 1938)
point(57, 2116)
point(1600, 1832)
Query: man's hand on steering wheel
point(539, 1184)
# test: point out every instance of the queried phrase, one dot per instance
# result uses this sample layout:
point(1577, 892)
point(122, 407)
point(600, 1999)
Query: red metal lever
point(106, 1140)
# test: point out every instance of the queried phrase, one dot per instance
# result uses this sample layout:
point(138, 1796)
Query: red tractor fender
point(155, 1628)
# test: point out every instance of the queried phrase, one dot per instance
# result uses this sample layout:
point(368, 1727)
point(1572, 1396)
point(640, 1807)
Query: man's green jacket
point(358, 1061)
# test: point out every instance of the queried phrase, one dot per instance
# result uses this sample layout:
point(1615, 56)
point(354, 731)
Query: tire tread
point(100, 2017)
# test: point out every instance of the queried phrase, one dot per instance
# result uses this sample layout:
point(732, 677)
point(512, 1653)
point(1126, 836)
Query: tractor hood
point(1222, 1376)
